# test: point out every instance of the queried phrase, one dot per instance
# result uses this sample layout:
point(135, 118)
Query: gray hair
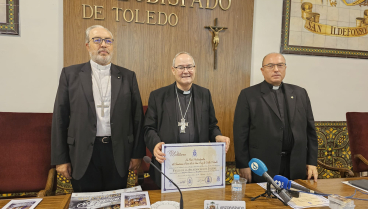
point(270, 54)
point(93, 27)
point(173, 64)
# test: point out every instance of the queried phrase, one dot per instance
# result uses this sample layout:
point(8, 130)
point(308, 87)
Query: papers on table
point(122, 198)
point(26, 203)
point(304, 201)
point(135, 200)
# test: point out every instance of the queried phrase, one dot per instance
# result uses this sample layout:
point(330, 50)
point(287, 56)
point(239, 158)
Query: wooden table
point(334, 186)
point(51, 202)
point(195, 199)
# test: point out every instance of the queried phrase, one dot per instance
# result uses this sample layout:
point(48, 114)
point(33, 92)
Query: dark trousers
point(101, 174)
point(285, 166)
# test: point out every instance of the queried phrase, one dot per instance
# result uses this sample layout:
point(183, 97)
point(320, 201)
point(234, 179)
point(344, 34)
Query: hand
point(246, 173)
point(135, 164)
point(65, 170)
point(225, 139)
point(312, 171)
point(160, 156)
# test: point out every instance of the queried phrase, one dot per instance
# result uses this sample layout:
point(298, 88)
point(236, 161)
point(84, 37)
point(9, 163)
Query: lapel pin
point(292, 97)
point(118, 76)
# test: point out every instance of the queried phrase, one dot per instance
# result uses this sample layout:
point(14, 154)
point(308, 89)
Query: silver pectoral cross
point(102, 106)
point(182, 125)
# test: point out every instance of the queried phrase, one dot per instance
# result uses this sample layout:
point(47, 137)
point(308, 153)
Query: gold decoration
point(353, 3)
point(333, 3)
point(312, 24)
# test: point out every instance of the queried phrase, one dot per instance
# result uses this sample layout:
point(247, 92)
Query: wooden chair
point(358, 134)
point(25, 167)
point(334, 158)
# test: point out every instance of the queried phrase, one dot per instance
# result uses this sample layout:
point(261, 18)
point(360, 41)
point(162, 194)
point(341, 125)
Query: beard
point(101, 60)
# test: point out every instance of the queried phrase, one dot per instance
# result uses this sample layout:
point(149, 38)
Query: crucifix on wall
point(215, 30)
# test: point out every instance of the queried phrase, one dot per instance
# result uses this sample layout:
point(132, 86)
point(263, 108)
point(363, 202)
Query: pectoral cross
point(215, 30)
point(182, 125)
point(102, 106)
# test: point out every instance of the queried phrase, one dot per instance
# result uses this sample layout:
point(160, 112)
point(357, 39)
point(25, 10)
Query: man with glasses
point(274, 122)
point(97, 120)
point(182, 112)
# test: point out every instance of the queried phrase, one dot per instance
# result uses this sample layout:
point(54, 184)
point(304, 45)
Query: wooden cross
point(215, 40)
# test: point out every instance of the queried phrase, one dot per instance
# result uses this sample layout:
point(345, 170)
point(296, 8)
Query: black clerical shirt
point(281, 102)
point(190, 135)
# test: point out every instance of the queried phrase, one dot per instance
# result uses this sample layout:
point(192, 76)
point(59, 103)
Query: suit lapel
point(290, 100)
point(116, 80)
point(170, 104)
point(268, 97)
point(86, 79)
point(197, 101)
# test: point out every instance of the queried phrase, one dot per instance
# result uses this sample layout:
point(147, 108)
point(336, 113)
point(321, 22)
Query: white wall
point(30, 64)
point(335, 85)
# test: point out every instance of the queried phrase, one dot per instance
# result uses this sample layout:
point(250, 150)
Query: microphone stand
point(181, 196)
point(268, 193)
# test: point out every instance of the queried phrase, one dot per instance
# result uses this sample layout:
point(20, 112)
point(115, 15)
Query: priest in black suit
point(97, 120)
point(274, 122)
point(182, 112)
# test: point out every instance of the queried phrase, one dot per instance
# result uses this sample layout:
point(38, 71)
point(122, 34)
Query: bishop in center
point(182, 112)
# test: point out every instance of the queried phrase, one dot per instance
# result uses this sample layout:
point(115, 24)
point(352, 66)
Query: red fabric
point(25, 148)
point(148, 183)
point(145, 166)
point(358, 138)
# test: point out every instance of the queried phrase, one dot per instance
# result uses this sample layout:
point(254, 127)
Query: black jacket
point(258, 130)
point(161, 124)
point(74, 119)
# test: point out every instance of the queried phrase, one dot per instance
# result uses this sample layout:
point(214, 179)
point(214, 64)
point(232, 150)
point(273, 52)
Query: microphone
point(259, 168)
point(148, 160)
point(283, 182)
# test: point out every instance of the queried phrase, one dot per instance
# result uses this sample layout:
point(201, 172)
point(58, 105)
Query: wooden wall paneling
point(149, 49)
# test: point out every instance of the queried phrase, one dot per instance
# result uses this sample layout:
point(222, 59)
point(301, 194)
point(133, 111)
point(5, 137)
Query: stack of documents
point(340, 202)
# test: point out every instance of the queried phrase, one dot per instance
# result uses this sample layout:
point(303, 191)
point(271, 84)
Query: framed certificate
point(193, 166)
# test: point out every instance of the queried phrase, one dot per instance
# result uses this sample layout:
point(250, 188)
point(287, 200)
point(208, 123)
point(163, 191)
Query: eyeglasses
point(271, 66)
point(190, 68)
point(108, 41)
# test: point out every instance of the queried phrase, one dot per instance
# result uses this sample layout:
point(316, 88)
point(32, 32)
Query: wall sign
point(325, 28)
point(132, 15)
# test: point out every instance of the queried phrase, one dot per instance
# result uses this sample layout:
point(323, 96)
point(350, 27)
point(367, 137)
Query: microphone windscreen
point(257, 166)
point(282, 182)
point(147, 159)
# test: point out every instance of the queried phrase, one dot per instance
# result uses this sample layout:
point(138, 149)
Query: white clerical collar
point(183, 92)
point(100, 67)
point(275, 87)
